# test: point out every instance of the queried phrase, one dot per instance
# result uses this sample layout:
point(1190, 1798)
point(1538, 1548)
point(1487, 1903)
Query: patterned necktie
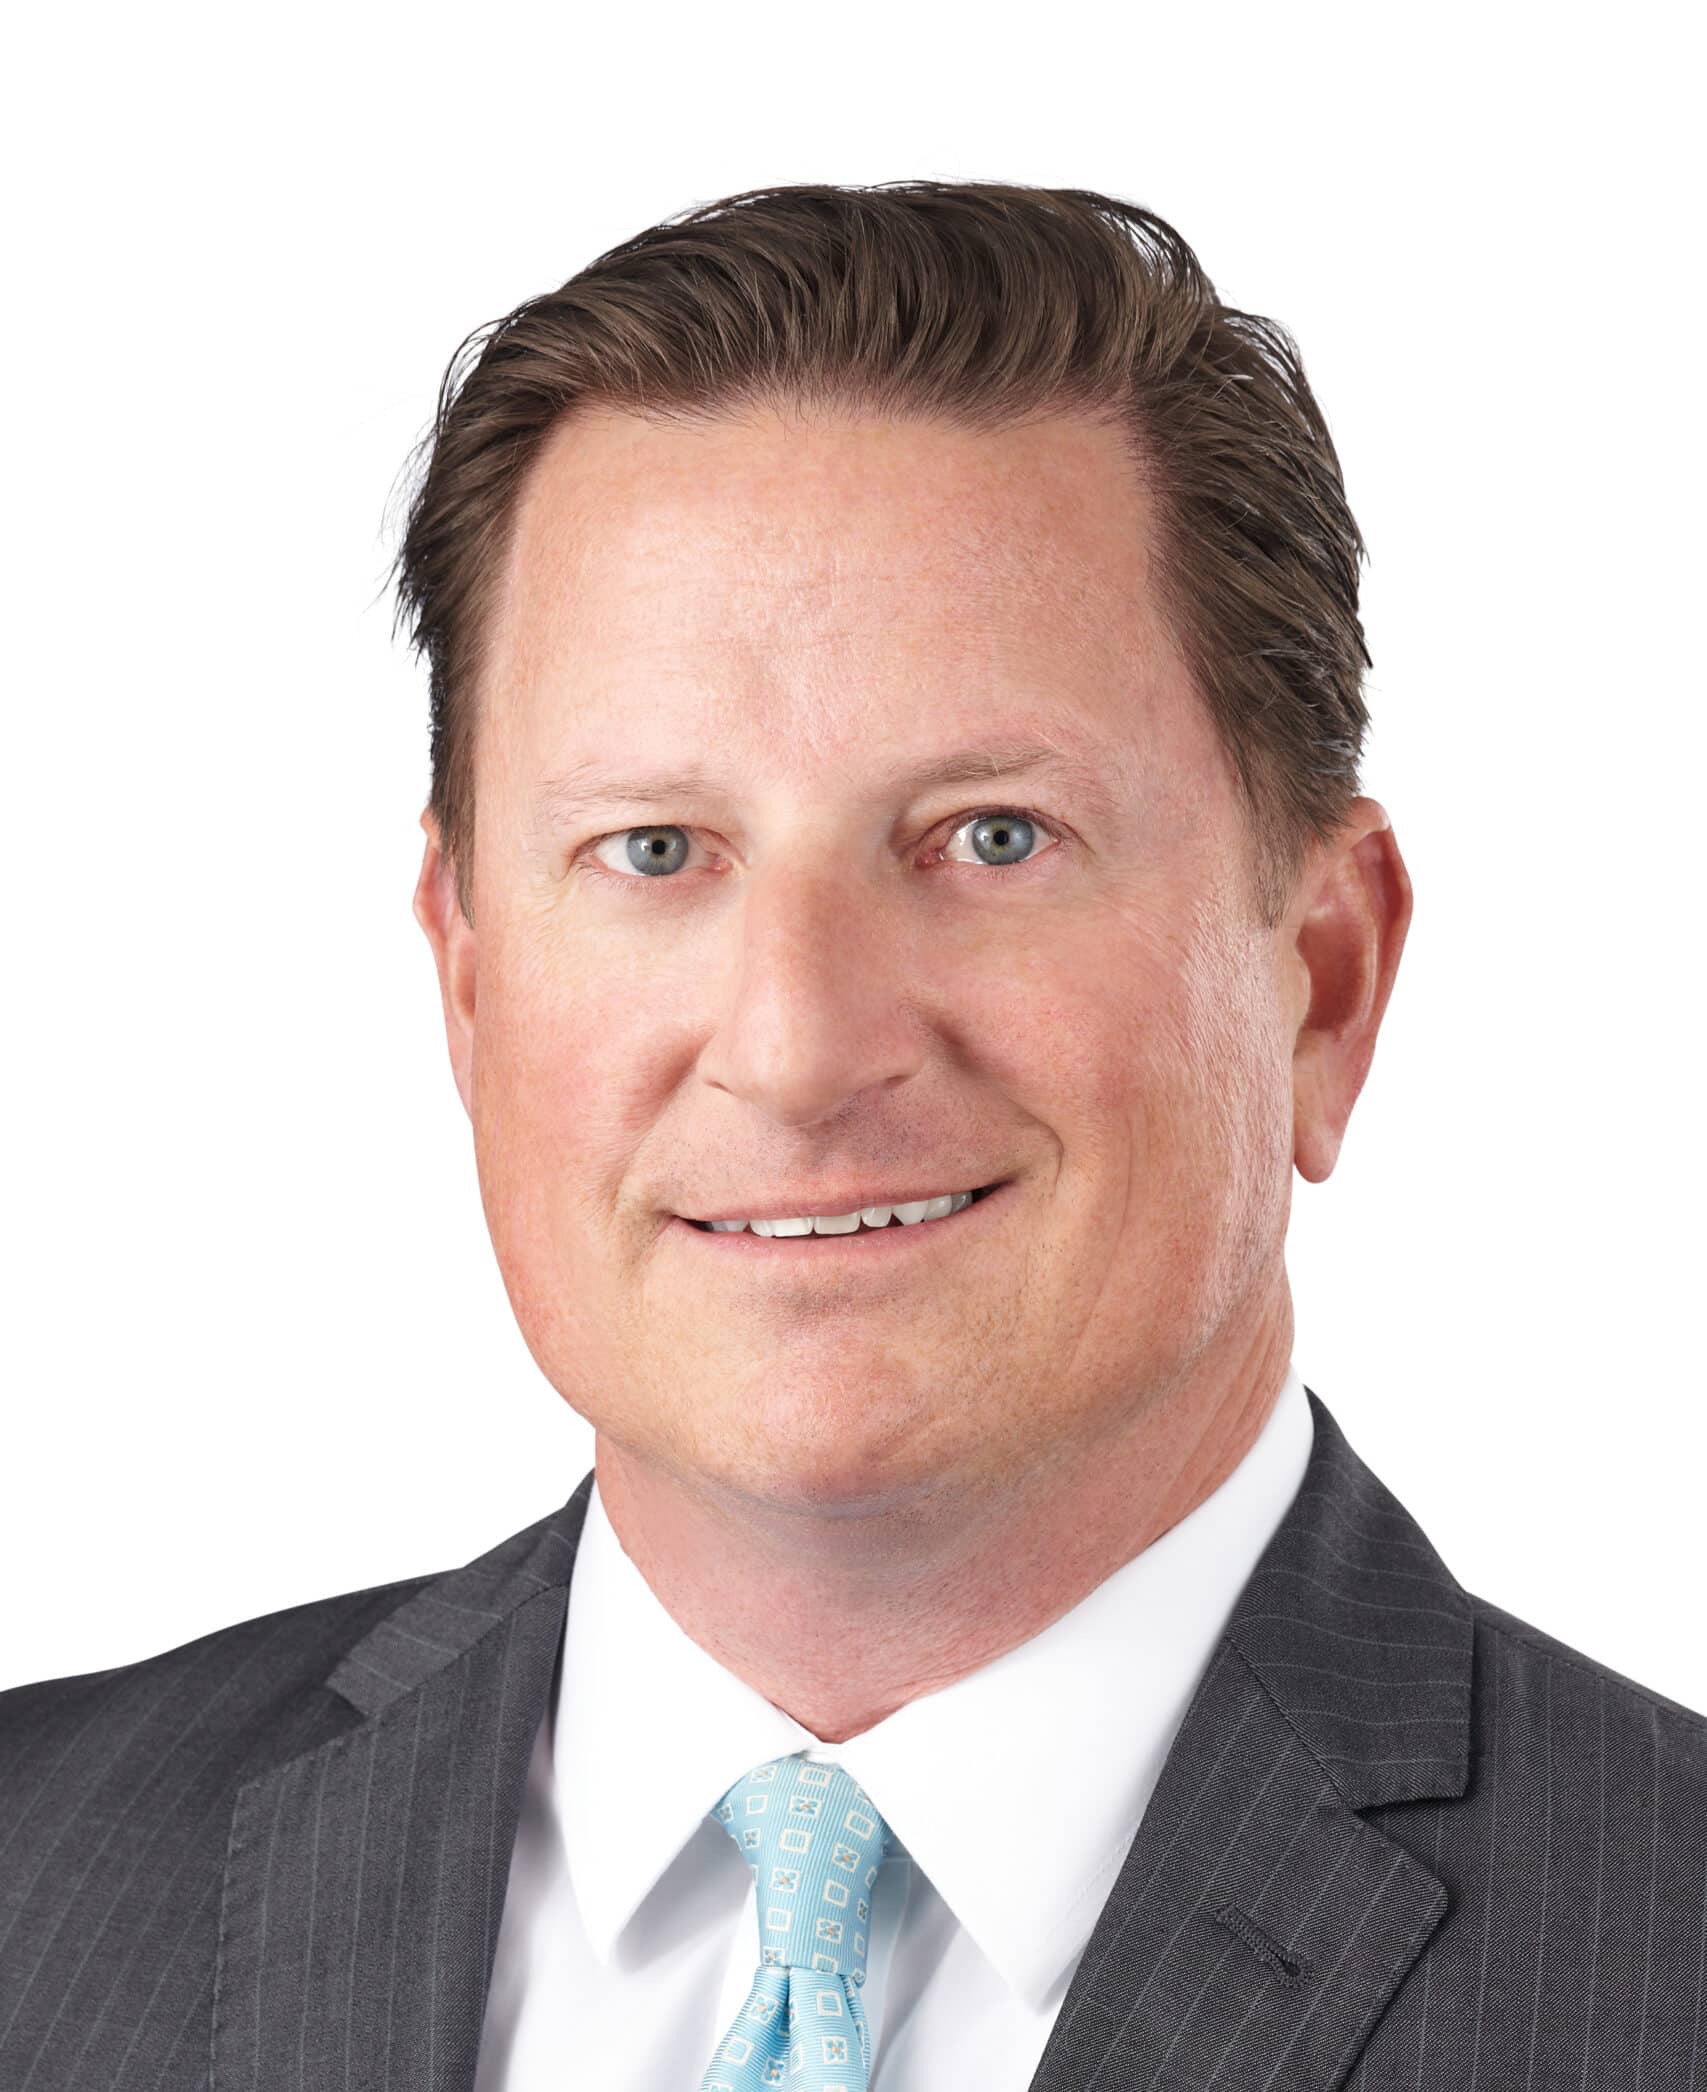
point(814, 1843)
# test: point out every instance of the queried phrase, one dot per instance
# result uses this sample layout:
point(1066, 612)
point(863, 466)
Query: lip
point(864, 1245)
point(840, 1202)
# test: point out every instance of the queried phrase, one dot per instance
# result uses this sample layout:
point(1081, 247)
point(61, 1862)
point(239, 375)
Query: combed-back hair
point(978, 303)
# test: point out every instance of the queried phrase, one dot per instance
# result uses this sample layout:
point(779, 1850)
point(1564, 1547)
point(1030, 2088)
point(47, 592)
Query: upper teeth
point(845, 1223)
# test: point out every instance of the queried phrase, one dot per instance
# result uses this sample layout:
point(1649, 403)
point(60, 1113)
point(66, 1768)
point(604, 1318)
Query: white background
point(255, 1346)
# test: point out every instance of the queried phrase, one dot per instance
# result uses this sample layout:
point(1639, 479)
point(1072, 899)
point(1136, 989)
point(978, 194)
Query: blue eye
point(650, 852)
point(653, 850)
point(1003, 833)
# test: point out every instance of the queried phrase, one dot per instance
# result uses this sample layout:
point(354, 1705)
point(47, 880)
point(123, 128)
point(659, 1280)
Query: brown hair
point(975, 303)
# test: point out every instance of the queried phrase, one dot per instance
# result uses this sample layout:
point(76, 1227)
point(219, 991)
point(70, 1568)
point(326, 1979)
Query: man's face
point(840, 982)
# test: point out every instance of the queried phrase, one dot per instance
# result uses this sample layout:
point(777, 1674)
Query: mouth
point(895, 1238)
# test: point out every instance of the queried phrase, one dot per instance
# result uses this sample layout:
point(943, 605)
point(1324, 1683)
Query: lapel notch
point(365, 1877)
point(1257, 1930)
point(1260, 1926)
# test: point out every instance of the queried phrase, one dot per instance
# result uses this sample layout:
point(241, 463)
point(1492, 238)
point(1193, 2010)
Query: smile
point(905, 1213)
point(825, 1237)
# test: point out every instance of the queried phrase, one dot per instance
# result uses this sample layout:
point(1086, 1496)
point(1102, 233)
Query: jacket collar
point(1260, 1924)
point(365, 1877)
point(1256, 1929)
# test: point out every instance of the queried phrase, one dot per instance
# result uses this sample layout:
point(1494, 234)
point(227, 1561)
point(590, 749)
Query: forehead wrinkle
point(588, 782)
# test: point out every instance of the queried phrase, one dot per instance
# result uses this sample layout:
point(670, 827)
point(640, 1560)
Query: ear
point(451, 936)
point(1347, 928)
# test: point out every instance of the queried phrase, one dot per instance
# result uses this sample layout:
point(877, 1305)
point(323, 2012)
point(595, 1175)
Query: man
point(903, 908)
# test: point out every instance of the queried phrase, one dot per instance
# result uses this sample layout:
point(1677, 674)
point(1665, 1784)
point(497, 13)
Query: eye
point(1004, 837)
point(647, 852)
point(1006, 833)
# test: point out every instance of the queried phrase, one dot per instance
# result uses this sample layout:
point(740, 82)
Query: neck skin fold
point(927, 1594)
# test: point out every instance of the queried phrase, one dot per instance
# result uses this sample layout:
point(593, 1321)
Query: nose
point(822, 1003)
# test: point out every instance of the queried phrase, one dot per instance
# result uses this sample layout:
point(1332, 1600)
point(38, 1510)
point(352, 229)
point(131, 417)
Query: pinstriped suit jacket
point(1403, 1840)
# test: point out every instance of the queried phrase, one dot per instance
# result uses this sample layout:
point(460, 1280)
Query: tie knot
point(814, 1842)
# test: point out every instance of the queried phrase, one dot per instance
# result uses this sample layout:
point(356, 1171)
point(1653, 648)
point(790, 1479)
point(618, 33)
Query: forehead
point(788, 570)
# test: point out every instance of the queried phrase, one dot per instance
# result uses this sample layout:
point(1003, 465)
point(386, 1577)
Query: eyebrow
point(583, 785)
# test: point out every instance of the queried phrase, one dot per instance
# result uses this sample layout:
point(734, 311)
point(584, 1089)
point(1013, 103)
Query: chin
point(853, 1474)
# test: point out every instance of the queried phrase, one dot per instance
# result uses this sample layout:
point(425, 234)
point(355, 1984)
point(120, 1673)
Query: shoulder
point(1584, 1816)
point(1590, 1773)
point(117, 1790)
point(190, 1719)
point(1575, 1865)
point(1537, 1681)
point(1594, 1774)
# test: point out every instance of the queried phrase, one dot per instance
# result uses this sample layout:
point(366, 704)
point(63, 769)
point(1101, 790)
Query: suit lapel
point(1256, 1932)
point(1259, 1925)
point(366, 1877)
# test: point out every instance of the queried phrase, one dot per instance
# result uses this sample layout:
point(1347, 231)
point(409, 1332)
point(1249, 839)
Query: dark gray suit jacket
point(1403, 1840)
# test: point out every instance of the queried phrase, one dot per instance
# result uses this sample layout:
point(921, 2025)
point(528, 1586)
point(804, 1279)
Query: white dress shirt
point(629, 1935)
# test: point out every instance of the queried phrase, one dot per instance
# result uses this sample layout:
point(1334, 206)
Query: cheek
point(564, 1028)
point(554, 1068)
point(1127, 1036)
point(1177, 1051)
point(558, 1118)
point(1235, 1070)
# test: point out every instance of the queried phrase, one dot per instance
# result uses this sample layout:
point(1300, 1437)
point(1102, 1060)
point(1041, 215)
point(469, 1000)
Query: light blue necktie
point(814, 1843)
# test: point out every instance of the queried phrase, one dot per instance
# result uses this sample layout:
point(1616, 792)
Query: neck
point(920, 1598)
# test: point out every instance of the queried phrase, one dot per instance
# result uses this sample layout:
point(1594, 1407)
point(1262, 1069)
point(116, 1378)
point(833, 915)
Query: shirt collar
point(1069, 1730)
point(642, 1712)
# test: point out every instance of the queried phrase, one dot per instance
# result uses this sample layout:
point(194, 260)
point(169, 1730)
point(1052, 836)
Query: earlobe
point(439, 912)
point(1349, 939)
